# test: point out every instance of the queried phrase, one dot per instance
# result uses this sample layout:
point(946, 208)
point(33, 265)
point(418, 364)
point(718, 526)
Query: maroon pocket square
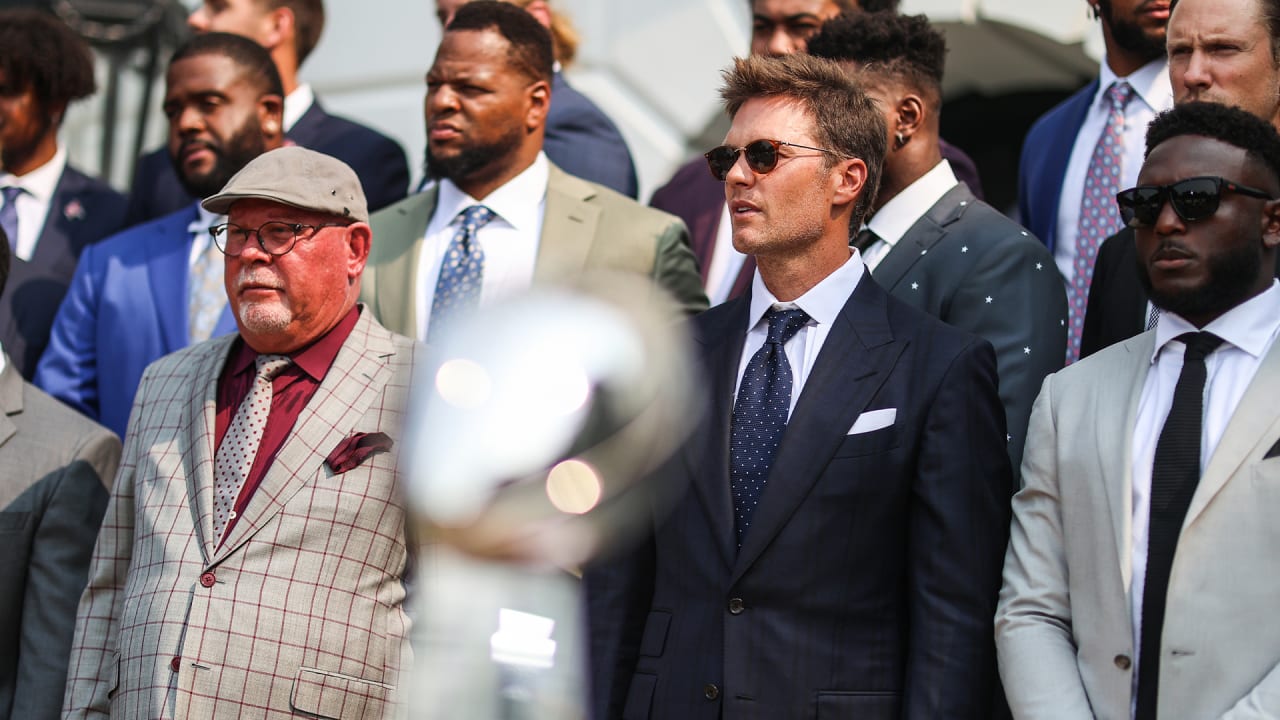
point(353, 450)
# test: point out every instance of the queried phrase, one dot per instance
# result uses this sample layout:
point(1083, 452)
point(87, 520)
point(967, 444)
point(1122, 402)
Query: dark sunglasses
point(762, 156)
point(1193, 199)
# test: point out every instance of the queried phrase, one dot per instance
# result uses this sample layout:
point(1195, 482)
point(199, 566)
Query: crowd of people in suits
point(953, 463)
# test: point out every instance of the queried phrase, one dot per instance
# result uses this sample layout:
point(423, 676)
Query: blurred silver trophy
point(533, 427)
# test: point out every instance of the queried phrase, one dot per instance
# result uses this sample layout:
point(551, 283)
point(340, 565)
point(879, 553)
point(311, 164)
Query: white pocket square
point(873, 420)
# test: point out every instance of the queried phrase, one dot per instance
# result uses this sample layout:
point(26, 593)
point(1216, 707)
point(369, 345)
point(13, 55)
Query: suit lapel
point(197, 449)
point(168, 269)
point(707, 456)
point(10, 399)
point(922, 236)
point(344, 396)
point(398, 277)
point(1252, 429)
point(1114, 440)
point(306, 130)
point(568, 227)
point(855, 359)
point(56, 236)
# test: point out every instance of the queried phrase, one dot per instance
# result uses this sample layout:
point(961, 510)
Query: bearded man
point(157, 287)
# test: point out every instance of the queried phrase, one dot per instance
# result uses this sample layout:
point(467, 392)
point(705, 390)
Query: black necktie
point(865, 238)
point(760, 416)
point(1174, 476)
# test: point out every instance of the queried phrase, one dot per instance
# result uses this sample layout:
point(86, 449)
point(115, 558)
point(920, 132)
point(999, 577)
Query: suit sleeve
point(619, 592)
point(92, 672)
point(1023, 323)
point(60, 552)
point(676, 269)
point(68, 370)
point(384, 173)
point(957, 532)
point(1034, 640)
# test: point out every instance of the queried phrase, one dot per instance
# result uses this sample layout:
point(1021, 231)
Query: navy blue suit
point(127, 306)
point(82, 211)
point(581, 140)
point(867, 583)
point(377, 159)
point(1043, 167)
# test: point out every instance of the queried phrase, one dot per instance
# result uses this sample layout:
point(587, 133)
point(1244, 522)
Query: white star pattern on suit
point(239, 446)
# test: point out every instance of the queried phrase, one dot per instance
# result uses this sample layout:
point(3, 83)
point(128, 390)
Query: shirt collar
point(822, 303)
point(204, 220)
point(296, 104)
point(1248, 326)
point(314, 359)
point(517, 202)
point(1150, 84)
point(41, 182)
point(897, 216)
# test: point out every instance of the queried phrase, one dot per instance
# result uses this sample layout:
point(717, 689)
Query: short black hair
point(879, 5)
point(249, 55)
point(531, 48)
point(906, 47)
point(39, 52)
point(1231, 125)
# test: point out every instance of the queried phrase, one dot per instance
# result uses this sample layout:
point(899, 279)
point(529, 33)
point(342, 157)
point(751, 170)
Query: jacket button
point(1123, 662)
point(736, 606)
point(710, 691)
point(208, 579)
point(175, 664)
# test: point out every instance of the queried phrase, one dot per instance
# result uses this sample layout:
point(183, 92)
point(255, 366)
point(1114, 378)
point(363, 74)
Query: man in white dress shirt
point(1142, 574)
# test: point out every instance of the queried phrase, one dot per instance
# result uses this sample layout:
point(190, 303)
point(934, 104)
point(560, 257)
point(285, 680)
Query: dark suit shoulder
point(1048, 127)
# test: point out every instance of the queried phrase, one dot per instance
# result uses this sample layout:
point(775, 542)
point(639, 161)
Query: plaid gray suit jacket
point(299, 611)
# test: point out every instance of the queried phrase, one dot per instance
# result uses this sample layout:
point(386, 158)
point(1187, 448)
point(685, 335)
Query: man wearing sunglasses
point(837, 550)
point(1225, 51)
point(252, 556)
point(1142, 569)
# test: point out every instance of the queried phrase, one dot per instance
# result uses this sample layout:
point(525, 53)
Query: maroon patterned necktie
point(1099, 216)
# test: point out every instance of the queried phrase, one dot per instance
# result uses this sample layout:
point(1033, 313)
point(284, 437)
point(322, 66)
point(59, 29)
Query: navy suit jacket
point(867, 583)
point(82, 211)
point(696, 197)
point(378, 160)
point(581, 140)
point(127, 306)
point(1043, 167)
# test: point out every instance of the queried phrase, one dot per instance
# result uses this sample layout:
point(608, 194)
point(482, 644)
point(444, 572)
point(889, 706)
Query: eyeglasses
point(762, 156)
point(1193, 199)
point(274, 237)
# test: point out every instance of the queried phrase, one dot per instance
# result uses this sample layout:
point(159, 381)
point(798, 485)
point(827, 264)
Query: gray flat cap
point(298, 177)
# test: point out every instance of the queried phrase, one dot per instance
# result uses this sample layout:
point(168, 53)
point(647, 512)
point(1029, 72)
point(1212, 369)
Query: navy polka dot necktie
point(760, 416)
point(461, 270)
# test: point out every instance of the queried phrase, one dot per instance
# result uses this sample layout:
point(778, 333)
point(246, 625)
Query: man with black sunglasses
point(1142, 574)
point(838, 547)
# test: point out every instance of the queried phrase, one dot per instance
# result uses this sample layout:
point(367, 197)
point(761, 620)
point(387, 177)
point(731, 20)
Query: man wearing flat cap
point(251, 559)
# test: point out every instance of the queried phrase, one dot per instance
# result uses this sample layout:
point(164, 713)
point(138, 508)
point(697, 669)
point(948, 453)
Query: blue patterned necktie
point(461, 271)
point(760, 416)
point(9, 215)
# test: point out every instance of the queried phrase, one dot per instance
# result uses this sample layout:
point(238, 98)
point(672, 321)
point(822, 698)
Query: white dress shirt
point(906, 208)
point(33, 205)
point(510, 240)
point(1249, 330)
point(726, 261)
point(200, 237)
point(1152, 94)
point(296, 104)
point(823, 303)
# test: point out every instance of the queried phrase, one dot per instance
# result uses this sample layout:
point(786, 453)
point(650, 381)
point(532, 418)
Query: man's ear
point(271, 119)
point(539, 94)
point(281, 27)
point(850, 181)
point(911, 116)
point(359, 238)
point(1271, 224)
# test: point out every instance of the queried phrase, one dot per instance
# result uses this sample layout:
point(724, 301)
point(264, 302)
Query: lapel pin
point(74, 210)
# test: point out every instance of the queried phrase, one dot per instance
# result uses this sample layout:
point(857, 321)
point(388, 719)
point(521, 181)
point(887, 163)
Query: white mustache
point(258, 277)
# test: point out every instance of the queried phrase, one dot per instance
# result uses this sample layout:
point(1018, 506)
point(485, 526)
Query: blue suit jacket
point(127, 306)
point(867, 583)
point(1045, 154)
point(583, 141)
point(377, 159)
point(82, 211)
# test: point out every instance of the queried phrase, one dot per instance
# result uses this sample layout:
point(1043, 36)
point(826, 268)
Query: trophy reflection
point(534, 432)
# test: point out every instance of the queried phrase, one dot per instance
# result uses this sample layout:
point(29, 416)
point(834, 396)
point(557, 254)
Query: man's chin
point(262, 318)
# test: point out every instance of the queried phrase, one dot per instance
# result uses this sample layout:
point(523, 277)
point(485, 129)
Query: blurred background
point(652, 66)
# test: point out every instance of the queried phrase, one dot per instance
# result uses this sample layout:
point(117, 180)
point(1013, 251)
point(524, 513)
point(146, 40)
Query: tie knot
point(865, 238)
point(784, 324)
point(10, 193)
point(269, 366)
point(1199, 345)
point(476, 217)
point(1119, 94)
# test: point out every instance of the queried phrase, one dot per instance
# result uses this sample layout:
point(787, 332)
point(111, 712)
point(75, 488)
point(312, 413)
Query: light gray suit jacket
point(1063, 627)
point(55, 467)
point(298, 611)
point(585, 227)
